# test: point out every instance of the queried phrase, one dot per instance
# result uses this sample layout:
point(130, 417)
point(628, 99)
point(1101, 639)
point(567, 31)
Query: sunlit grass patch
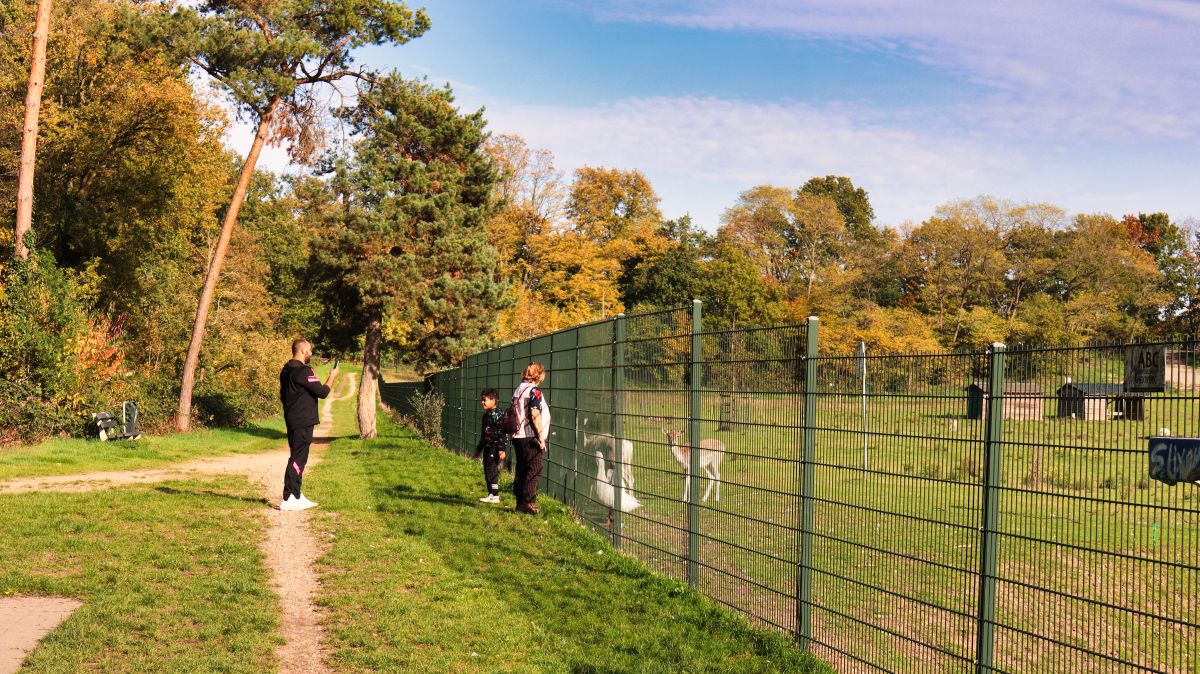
point(420, 576)
point(170, 576)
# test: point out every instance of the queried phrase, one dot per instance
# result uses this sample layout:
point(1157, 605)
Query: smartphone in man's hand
point(335, 362)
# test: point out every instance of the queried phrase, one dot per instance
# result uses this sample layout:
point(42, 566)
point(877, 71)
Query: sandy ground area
point(290, 548)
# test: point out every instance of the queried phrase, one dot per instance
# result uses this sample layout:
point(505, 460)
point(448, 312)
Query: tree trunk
point(183, 418)
point(29, 132)
point(370, 379)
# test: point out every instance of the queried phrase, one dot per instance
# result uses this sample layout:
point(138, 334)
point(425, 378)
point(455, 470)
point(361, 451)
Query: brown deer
point(711, 453)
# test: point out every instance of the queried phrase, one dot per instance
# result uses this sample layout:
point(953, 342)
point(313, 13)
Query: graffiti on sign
point(1174, 460)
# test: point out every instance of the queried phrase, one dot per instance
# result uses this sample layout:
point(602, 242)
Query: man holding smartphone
point(299, 390)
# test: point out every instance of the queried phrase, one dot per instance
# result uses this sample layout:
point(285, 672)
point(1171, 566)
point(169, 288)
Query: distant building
point(1022, 401)
point(1087, 400)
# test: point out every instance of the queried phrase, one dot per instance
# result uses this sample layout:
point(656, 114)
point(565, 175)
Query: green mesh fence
point(944, 512)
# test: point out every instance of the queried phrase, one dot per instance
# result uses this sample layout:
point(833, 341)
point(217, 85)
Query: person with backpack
point(530, 414)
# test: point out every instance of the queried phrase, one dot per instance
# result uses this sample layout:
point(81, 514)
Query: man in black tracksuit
point(299, 390)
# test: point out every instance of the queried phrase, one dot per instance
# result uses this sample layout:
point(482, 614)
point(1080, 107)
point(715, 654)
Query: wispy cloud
point(702, 152)
point(1055, 67)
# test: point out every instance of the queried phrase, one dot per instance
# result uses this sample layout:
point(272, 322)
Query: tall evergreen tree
point(408, 259)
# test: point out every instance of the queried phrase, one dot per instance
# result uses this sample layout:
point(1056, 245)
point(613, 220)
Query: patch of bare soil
point(24, 621)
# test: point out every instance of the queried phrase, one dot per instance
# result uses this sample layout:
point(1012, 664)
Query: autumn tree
point(1112, 288)
point(607, 205)
point(852, 202)
point(408, 257)
point(273, 59)
point(130, 172)
point(798, 239)
point(1167, 243)
point(951, 266)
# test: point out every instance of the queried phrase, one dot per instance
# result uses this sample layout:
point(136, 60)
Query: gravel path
point(289, 547)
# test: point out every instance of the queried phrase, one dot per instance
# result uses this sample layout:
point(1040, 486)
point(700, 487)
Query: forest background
point(408, 233)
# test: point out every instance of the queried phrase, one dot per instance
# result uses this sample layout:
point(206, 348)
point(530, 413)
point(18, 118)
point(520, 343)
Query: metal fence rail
point(946, 512)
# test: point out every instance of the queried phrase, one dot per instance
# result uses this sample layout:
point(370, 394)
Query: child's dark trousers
point(491, 471)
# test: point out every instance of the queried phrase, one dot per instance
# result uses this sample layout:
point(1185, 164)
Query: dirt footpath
point(290, 547)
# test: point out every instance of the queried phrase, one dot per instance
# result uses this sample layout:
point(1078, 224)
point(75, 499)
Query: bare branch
point(212, 72)
point(337, 75)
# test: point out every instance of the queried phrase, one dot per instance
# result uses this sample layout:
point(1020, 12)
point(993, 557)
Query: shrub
point(427, 410)
point(59, 361)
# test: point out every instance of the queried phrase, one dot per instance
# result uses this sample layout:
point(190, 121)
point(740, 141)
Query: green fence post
point(618, 408)
point(989, 534)
point(694, 381)
point(575, 446)
point(462, 410)
point(807, 487)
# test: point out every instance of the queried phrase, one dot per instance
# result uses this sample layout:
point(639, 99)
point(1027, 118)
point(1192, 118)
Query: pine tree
point(409, 261)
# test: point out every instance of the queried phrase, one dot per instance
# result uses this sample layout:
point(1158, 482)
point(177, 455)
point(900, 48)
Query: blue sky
point(1088, 104)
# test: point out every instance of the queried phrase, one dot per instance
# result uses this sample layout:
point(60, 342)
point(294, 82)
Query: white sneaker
point(290, 503)
point(304, 503)
point(490, 498)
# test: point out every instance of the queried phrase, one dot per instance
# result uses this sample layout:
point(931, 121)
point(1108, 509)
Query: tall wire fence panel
point(1008, 510)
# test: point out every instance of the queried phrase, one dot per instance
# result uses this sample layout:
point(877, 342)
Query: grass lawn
point(69, 456)
point(1096, 563)
point(420, 576)
point(170, 576)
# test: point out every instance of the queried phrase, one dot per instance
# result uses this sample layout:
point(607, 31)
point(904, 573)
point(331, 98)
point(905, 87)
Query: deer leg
point(687, 485)
point(708, 474)
point(717, 472)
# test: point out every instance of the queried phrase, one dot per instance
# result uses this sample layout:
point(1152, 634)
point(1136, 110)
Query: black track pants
point(491, 472)
point(299, 440)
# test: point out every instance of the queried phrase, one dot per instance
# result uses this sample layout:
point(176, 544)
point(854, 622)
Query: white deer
point(605, 491)
point(605, 443)
point(711, 453)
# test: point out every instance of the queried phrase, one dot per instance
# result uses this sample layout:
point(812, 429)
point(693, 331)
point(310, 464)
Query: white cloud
point(1057, 67)
point(701, 152)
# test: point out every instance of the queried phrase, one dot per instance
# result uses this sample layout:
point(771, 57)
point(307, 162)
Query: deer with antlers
point(711, 453)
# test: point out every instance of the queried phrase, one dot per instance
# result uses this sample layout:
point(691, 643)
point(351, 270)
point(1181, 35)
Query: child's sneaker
point(490, 498)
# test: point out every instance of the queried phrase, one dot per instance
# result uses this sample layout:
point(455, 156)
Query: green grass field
point(170, 576)
point(417, 575)
point(1093, 556)
point(420, 576)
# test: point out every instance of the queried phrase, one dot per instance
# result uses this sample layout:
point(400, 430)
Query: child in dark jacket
point(492, 441)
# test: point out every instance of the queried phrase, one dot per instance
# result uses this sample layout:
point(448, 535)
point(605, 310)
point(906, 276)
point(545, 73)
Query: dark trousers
point(529, 469)
point(491, 471)
point(299, 440)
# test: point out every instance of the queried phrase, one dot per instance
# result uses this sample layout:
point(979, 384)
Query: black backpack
point(510, 421)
